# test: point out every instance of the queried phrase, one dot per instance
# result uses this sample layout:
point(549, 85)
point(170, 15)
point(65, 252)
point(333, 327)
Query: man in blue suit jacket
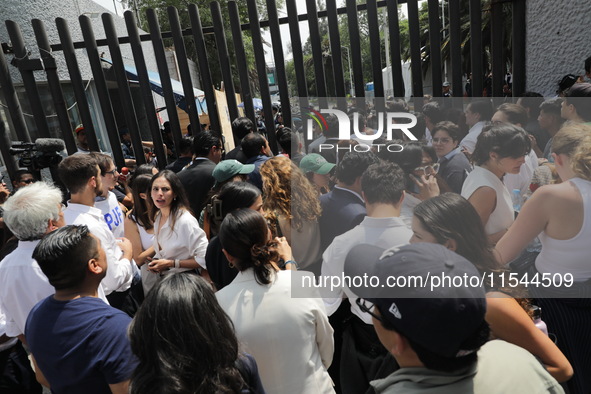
point(343, 208)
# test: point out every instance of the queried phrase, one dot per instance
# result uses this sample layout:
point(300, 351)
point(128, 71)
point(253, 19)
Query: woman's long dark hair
point(184, 341)
point(451, 216)
point(244, 235)
point(139, 213)
point(179, 203)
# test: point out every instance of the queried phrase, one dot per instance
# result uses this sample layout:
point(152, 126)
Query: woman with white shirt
point(290, 337)
point(500, 149)
point(139, 229)
point(179, 242)
point(560, 215)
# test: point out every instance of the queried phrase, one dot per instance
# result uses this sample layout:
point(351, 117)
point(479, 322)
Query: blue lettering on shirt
point(114, 218)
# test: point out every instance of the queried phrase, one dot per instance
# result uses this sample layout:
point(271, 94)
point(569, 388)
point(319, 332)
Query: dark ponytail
point(244, 235)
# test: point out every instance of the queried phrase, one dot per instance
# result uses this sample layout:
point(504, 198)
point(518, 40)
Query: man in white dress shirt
point(478, 112)
point(382, 188)
point(81, 175)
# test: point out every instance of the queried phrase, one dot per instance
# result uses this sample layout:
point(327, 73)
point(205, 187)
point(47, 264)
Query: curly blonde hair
point(288, 192)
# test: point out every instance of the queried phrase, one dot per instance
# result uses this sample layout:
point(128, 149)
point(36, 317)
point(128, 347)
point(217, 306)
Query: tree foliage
point(364, 43)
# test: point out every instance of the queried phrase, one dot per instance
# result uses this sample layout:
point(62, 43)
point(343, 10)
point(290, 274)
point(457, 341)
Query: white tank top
point(503, 216)
point(147, 239)
point(571, 255)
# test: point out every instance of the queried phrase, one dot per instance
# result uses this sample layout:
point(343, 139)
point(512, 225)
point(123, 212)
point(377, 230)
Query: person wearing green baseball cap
point(317, 170)
point(228, 169)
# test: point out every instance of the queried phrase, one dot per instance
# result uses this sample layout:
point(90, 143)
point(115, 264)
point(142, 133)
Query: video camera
point(42, 153)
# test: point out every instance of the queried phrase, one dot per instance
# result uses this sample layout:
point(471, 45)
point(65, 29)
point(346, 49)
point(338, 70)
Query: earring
point(231, 265)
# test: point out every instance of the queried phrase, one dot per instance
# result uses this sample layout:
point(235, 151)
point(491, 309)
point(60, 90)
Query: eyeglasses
point(367, 307)
point(28, 181)
point(431, 169)
point(442, 140)
point(113, 172)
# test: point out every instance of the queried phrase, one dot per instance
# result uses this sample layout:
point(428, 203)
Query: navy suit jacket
point(341, 211)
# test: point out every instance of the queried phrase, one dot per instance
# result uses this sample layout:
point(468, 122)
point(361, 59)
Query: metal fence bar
point(259, 55)
point(204, 72)
point(158, 45)
point(26, 67)
point(224, 57)
point(435, 47)
point(9, 160)
point(317, 54)
point(298, 58)
point(375, 46)
point(53, 82)
point(355, 48)
point(14, 107)
point(415, 48)
point(241, 60)
point(77, 83)
point(519, 20)
point(498, 68)
point(146, 91)
point(335, 50)
point(476, 48)
point(279, 61)
point(183, 64)
point(101, 88)
point(124, 92)
point(455, 47)
point(395, 55)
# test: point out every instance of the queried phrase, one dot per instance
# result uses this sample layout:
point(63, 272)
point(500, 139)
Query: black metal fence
point(27, 65)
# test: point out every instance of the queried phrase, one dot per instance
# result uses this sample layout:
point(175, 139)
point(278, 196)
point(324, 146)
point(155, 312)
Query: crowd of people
point(182, 279)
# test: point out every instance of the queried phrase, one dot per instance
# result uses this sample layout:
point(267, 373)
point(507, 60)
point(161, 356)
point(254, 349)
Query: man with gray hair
point(30, 213)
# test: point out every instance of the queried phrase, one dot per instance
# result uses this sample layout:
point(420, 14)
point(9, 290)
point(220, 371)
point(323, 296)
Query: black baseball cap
point(439, 318)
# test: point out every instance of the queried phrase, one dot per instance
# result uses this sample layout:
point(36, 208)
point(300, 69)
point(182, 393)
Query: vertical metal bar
point(77, 83)
point(259, 55)
point(123, 89)
point(279, 61)
point(375, 46)
point(11, 99)
point(21, 53)
point(396, 64)
point(476, 47)
point(204, 72)
point(355, 43)
point(455, 47)
point(519, 20)
point(498, 68)
point(415, 49)
point(55, 88)
point(181, 52)
point(224, 56)
point(101, 89)
point(5, 143)
point(317, 53)
point(242, 61)
point(435, 47)
point(298, 55)
point(146, 91)
point(160, 56)
point(335, 50)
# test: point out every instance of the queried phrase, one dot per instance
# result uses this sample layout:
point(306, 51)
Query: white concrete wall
point(558, 42)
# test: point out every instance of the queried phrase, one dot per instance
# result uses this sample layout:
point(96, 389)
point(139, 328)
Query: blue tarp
point(177, 89)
